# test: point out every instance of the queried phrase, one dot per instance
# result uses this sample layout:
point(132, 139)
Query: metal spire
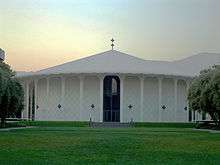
point(112, 45)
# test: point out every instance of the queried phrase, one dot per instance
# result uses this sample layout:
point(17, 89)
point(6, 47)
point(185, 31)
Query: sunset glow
point(36, 34)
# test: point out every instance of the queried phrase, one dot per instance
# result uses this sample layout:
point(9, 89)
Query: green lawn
point(64, 144)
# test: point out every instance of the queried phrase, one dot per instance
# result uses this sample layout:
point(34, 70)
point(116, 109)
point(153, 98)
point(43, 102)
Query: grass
point(61, 143)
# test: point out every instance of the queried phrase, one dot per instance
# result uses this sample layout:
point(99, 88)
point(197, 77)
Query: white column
point(48, 93)
point(81, 85)
point(35, 98)
point(27, 99)
point(101, 78)
point(121, 97)
point(31, 103)
point(187, 102)
point(141, 98)
point(197, 115)
point(160, 98)
point(48, 86)
point(62, 91)
point(23, 84)
point(175, 97)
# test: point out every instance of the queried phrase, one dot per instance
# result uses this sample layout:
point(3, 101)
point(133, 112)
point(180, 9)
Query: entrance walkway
point(110, 125)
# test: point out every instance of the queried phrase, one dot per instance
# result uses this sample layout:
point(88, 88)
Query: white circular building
point(113, 87)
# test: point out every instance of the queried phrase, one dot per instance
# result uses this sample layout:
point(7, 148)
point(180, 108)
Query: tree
point(11, 93)
point(204, 93)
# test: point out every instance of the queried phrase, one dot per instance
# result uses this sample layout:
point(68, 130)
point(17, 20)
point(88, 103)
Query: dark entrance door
point(111, 99)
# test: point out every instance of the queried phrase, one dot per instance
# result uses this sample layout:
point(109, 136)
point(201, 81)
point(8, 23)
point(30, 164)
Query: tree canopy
point(204, 93)
point(11, 93)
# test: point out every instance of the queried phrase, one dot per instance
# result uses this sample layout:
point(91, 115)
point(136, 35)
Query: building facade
point(109, 87)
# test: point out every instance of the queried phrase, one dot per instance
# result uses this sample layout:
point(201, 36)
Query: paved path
point(15, 128)
point(207, 130)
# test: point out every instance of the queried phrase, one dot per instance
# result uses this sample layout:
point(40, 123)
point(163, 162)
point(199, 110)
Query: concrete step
point(110, 125)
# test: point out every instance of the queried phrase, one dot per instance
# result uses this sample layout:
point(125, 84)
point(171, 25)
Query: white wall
point(168, 114)
point(151, 97)
point(131, 96)
point(70, 102)
point(54, 112)
point(91, 96)
point(181, 102)
point(42, 101)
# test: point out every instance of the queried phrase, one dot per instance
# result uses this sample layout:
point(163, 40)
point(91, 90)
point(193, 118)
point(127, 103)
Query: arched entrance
point(111, 99)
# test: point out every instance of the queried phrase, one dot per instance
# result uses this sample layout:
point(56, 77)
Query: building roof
point(117, 62)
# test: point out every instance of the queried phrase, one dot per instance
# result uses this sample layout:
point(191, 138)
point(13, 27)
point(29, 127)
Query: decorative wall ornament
point(130, 107)
point(59, 106)
point(92, 106)
point(163, 107)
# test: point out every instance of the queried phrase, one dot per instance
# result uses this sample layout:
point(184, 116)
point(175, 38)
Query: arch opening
point(111, 99)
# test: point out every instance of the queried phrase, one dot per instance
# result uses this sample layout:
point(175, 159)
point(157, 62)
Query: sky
point(36, 34)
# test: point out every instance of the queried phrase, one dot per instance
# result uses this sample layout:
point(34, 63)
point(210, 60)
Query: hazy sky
point(39, 33)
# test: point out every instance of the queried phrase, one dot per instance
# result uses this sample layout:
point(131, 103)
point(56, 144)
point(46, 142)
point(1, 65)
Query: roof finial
point(112, 45)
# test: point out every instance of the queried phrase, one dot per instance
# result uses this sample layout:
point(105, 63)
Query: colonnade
point(101, 79)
